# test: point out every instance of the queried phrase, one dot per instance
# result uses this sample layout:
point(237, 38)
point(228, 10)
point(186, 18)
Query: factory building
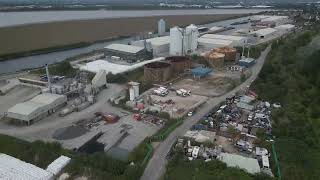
point(208, 43)
point(36, 108)
point(285, 28)
point(127, 52)
point(159, 45)
point(264, 33)
point(236, 40)
point(13, 168)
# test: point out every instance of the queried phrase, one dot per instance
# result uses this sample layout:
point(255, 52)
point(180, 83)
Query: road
point(157, 164)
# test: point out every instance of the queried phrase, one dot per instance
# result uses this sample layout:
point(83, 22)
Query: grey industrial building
point(36, 108)
point(128, 52)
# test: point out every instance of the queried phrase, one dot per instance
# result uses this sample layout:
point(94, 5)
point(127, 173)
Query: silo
point(176, 41)
point(215, 59)
point(161, 27)
point(230, 53)
point(157, 72)
point(191, 38)
point(179, 64)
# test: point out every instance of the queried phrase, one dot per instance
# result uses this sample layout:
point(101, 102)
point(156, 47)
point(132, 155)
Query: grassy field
point(27, 38)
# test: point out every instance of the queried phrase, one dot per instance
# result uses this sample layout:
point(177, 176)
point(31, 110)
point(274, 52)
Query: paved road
point(157, 164)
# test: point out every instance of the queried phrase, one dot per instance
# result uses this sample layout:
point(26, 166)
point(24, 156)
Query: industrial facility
point(128, 53)
point(160, 45)
point(157, 72)
point(179, 64)
point(12, 168)
point(36, 108)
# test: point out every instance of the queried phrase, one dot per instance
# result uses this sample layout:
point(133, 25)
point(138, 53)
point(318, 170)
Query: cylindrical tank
point(215, 59)
point(157, 71)
point(131, 93)
point(179, 64)
point(136, 90)
point(191, 38)
point(230, 53)
point(176, 38)
point(161, 27)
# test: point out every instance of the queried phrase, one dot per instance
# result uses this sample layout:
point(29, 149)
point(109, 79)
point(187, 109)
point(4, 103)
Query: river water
point(18, 64)
point(20, 18)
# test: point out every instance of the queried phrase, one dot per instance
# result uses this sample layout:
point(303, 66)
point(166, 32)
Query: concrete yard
point(180, 106)
point(210, 86)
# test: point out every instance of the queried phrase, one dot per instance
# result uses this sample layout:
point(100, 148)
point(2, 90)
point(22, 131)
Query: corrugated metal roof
point(12, 168)
point(263, 32)
point(25, 108)
point(224, 37)
point(233, 160)
point(215, 41)
point(125, 48)
point(57, 165)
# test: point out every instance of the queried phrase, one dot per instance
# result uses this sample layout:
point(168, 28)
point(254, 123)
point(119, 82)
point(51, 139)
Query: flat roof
point(124, 48)
point(215, 41)
point(264, 31)
point(12, 168)
point(46, 98)
point(223, 37)
point(247, 60)
point(285, 26)
point(159, 40)
point(96, 66)
point(233, 160)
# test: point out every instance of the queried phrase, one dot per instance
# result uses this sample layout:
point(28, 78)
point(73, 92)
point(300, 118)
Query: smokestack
point(48, 77)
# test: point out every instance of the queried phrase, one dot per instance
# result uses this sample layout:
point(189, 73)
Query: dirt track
point(39, 36)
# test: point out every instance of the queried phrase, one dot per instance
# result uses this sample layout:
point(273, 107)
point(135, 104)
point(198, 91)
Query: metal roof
point(285, 26)
point(233, 160)
point(215, 41)
point(12, 168)
point(25, 108)
point(46, 98)
point(224, 37)
point(124, 48)
point(159, 40)
point(57, 165)
point(263, 32)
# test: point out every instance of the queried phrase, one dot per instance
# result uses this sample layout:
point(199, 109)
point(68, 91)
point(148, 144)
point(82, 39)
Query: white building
point(285, 28)
point(209, 43)
point(57, 165)
point(233, 160)
point(12, 168)
point(159, 45)
point(36, 108)
point(236, 40)
point(278, 20)
point(264, 33)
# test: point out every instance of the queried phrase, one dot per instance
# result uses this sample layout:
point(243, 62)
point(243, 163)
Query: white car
point(190, 113)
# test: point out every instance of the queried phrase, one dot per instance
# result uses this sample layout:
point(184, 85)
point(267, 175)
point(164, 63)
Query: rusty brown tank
point(230, 53)
point(157, 72)
point(216, 60)
point(179, 64)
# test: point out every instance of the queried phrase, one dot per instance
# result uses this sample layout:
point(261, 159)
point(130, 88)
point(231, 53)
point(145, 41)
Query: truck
point(161, 91)
point(195, 152)
point(183, 92)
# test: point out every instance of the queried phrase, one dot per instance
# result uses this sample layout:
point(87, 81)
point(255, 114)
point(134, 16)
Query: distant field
point(56, 34)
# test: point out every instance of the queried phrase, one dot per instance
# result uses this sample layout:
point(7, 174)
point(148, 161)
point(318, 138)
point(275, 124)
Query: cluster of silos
point(179, 64)
point(183, 41)
point(157, 71)
point(230, 53)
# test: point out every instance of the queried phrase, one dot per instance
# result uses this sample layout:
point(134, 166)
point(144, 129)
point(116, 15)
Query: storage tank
point(176, 41)
point(230, 53)
point(157, 71)
point(191, 38)
point(179, 64)
point(161, 27)
point(216, 60)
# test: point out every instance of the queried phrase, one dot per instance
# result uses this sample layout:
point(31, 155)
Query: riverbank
point(48, 37)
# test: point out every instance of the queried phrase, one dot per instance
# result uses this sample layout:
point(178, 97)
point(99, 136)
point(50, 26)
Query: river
point(18, 64)
point(31, 17)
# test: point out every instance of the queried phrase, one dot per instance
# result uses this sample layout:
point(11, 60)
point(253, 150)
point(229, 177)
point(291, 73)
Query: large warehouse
point(159, 45)
point(264, 33)
point(236, 40)
point(209, 43)
point(36, 108)
point(127, 52)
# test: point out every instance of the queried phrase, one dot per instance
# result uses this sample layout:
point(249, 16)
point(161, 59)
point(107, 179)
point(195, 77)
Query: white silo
point(191, 38)
point(161, 27)
point(176, 41)
point(133, 90)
